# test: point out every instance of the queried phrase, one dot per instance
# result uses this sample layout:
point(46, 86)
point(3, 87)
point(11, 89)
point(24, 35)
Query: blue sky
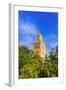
point(31, 23)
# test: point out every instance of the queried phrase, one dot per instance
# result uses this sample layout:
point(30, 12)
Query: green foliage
point(29, 71)
point(31, 66)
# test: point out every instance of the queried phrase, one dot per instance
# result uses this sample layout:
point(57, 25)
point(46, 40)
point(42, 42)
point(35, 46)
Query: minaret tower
point(39, 47)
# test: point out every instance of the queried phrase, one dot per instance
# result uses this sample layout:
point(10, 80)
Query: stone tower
point(39, 47)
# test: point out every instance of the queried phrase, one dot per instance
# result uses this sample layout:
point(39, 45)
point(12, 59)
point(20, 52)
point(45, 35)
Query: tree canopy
point(31, 66)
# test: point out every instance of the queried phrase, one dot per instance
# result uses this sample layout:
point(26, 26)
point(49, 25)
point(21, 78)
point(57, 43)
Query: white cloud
point(28, 28)
point(28, 32)
point(27, 41)
point(51, 42)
